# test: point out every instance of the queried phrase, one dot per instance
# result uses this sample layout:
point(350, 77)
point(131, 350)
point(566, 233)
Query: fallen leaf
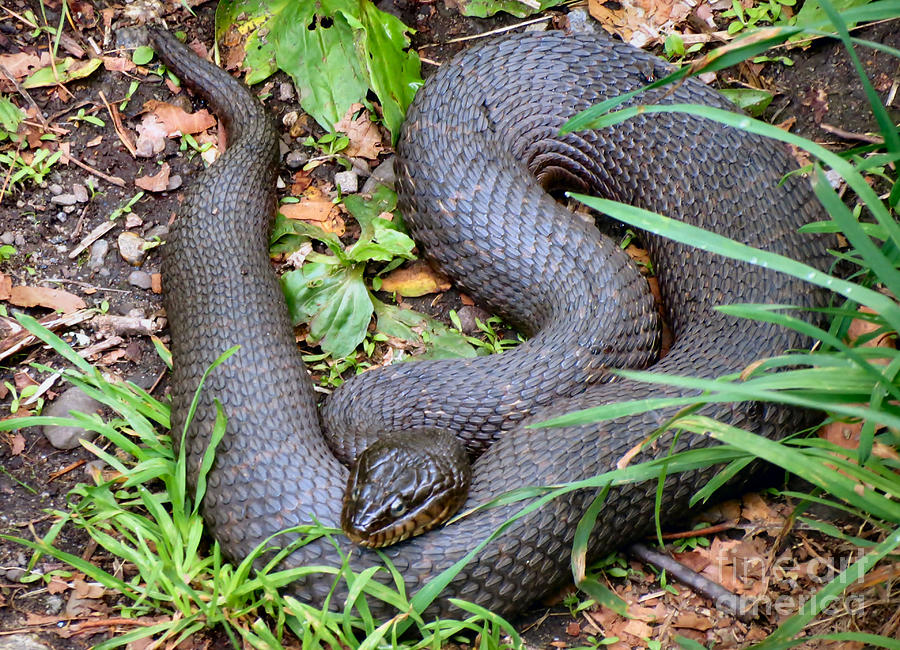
point(176, 121)
point(364, 136)
point(63, 71)
point(152, 135)
point(87, 590)
point(57, 586)
point(637, 628)
point(640, 22)
point(118, 64)
point(5, 286)
point(17, 445)
point(22, 64)
point(417, 279)
point(694, 560)
point(315, 207)
point(692, 620)
point(158, 183)
point(300, 181)
point(755, 509)
point(156, 283)
point(56, 299)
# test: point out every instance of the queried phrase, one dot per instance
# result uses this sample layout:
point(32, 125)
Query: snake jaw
point(404, 485)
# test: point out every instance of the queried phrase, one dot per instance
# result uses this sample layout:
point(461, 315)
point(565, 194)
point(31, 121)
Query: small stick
point(500, 30)
point(849, 135)
point(91, 237)
point(117, 125)
point(115, 180)
point(709, 530)
point(725, 600)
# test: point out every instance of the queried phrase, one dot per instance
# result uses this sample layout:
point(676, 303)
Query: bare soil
point(820, 88)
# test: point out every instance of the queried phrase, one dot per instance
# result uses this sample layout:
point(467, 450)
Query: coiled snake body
point(476, 126)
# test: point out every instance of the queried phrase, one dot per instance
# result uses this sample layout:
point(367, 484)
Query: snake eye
point(398, 507)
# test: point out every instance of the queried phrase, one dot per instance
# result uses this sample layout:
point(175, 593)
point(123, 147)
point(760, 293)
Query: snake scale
point(477, 133)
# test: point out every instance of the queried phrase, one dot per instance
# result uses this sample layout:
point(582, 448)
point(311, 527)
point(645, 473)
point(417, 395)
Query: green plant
point(189, 143)
point(17, 398)
point(81, 116)
point(126, 207)
point(132, 87)
point(691, 543)
point(766, 11)
point(6, 252)
point(491, 343)
point(10, 118)
point(35, 171)
point(674, 49)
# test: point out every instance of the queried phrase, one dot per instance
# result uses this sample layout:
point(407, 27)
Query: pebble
point(140, 279)
point(348, 181)
point(296, 159)
point(467, 315)
point(22, 642)
point(384, 174)
point(174, 183)
point(99, 249)
point(131, 248)
point(64, 199)
point(14, 574)
point(56, 188)
point(8, 238)
point(285, 91)
point(67, 436)
point(80, 192)
point(20, 240)
point(159, 230)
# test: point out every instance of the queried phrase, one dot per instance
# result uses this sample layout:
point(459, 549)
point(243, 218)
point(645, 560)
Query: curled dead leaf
point(364, 136)
point(417, 279)
point(157, 183)
point(56, 299)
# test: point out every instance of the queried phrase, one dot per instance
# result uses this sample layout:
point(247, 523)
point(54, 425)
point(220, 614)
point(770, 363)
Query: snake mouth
point(423, 519)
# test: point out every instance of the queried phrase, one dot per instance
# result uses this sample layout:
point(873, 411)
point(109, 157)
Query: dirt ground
point(819, 92)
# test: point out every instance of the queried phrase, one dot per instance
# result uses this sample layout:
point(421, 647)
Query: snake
point(479, 152)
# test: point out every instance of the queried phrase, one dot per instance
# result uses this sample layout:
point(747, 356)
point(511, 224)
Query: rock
point(296, 159)
point(347, 181)
point(80, 192)
point(140, 279)
point(99, 249)
point(64, 199)
point(174, 182)
point(285, 91)
point(22, 642)
point(131, 248)
point(8, 238)
point(467, 315)
point(54, 604)
point(67, 437)
point(580, 22)
point(61, 216)
point(56, 188)
point(159, 230)
point(14, 574)
point(20, 240)
point(384, 174)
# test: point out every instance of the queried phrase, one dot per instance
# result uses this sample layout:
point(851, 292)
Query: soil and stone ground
point(819, 94)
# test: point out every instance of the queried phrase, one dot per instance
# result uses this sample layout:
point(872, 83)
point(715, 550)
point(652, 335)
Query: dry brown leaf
point(176, 121)
point(56, 299)
point(118, 64)
point(417, 279)
point(842, 434)
point(317, 208)
point(17, 444)
point(5, 286)
point(755, 509)
point(156, 283)
point(365, 138)
point(637, 628)
point(640, 22)
point(87, 590)
point(152, 135)
point(301, 180)
point(22, 64)
point(694, 560)
point(158, 183)
point(57, 586)
point(693, 621)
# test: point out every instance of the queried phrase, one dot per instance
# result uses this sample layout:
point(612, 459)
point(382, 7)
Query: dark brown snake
point(476, 130)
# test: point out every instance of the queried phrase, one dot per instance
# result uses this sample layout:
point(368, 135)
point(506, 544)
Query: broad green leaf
point(335, 303)
point(251, 16)
point(752, 100)
point(142, 55)
point(336, 50)
point(812, 13)
point(518, 8)
point(440, 341)
point(394, 72)
point(380, 239)
point(65, 70)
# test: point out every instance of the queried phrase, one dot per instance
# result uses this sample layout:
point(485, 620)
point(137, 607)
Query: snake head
point(404, 485)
